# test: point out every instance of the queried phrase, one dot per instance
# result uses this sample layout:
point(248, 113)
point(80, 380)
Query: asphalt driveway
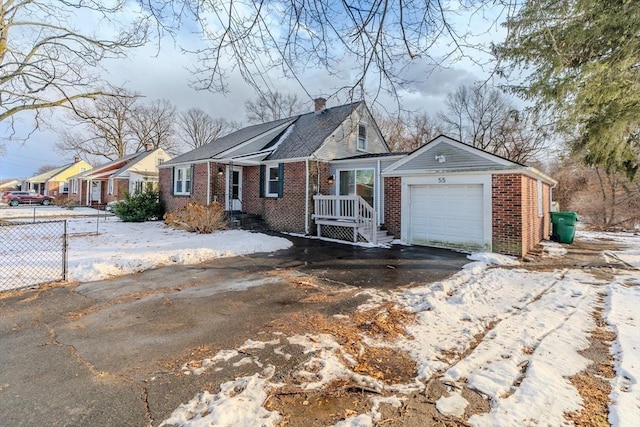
point(109, 352)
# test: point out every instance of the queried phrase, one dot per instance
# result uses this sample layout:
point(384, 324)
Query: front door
point(95, 191)
point(234, 189)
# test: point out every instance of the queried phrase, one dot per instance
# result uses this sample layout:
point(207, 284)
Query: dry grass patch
point(593, 384)
point(198, 218)
point(595, 401)
point(35, 291)
point(386, 321)
point(385, 364)
point(318, 408)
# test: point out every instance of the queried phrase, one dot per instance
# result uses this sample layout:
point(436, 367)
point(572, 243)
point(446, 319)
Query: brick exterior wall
point(82, 193)
point(172, 202)
point(393, 204)
point(288, 212)
point(534, 227)
point(54, 189)
point(507, 213)
point(120, 188)
point(517, 226)
point(75, 198)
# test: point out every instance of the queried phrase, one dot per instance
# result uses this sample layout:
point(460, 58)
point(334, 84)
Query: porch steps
point(383, 236)
point(247, 221)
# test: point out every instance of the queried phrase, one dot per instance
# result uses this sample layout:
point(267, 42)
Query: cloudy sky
point(164, 74)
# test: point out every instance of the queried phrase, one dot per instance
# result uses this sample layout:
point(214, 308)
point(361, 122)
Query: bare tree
point(484, 118)
point(100, 128)
point(46, 62)
point(272, 106)
point(409, 131)
point(154, 124)
point(604, 200)
point(46, 168)
point(199, 128)
point(358, 40)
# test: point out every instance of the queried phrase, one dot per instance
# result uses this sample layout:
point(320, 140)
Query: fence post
point(34, 214)
point(98, 224)
point(65, 248)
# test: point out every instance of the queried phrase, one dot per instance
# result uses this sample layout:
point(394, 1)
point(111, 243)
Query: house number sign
point(442, 180)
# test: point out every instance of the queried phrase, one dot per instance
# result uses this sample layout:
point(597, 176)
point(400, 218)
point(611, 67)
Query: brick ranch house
point(110, 181)
point(330, 173)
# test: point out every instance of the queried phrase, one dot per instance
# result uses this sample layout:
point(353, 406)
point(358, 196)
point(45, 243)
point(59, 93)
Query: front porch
point(352, 218)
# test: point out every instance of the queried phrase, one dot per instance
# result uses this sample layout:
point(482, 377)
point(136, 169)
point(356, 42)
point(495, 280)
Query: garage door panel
point(447, 215)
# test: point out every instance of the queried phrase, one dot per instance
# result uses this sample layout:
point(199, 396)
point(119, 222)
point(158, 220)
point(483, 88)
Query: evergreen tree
point(581, 60)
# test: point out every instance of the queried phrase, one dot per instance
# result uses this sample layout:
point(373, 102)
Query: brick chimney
point(320, 104)
point(148, 146)
point(76, 159)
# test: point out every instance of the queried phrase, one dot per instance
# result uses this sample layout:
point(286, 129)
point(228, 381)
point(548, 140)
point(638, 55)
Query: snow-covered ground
point(43, 213)
point(515, 336)
point(101, 248)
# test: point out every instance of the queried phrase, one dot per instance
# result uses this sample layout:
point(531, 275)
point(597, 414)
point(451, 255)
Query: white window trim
point(65, 184)
point(355, 170)
point(110, 186)
point(365, 147)
point(186, 172)
point(267, 180)
point(540, 199)
point(74, 186)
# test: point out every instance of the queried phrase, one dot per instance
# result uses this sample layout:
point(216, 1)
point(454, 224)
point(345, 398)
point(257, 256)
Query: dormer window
point(362, 137)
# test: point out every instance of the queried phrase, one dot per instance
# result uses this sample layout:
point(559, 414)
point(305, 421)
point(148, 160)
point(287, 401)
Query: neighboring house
point(10, 185)
point(110, 181)
point(55, 182)
point(330, 173)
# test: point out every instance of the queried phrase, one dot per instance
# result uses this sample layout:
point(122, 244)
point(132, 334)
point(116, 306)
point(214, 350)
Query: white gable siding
point(454, 158)
point(342, 142)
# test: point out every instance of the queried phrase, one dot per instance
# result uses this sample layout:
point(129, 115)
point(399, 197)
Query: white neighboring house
point(110, 181)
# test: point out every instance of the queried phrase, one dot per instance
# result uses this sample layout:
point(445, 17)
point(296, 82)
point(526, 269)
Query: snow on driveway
point(511, 334)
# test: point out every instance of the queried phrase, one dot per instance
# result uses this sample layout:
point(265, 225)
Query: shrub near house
point(139, 207)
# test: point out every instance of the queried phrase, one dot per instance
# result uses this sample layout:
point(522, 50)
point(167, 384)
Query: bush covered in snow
point(198, 218)
point(139, 207)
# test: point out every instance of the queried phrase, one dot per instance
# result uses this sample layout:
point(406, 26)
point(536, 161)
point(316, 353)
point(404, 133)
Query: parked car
point(111, 205)
point(14, 198)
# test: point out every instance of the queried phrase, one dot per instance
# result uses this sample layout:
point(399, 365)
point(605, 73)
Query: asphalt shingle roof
point(304, 135)
point(220, 145)
point(44, 177)
point(310, 131)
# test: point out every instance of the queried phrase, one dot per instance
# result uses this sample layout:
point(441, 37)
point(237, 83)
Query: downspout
point(379, 200)
point(306, 197)
point(208, 183)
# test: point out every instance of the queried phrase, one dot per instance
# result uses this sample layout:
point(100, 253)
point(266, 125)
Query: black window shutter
point(280, 179)
point(193, 175)
point(173, 182)
point(262, 173)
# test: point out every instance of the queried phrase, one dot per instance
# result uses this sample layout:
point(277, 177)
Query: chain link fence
point(32, 253)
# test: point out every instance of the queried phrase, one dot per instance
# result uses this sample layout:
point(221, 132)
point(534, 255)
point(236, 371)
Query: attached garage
point(446, 210)
point(449, 194)
point(446, 215)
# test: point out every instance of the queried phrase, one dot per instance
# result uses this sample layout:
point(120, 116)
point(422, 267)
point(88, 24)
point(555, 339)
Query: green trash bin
point(563, 226)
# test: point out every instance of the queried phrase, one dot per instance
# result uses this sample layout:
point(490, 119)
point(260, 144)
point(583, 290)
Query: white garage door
point(446, 215)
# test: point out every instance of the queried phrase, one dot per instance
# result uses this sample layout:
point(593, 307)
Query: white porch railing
point(346, 211)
